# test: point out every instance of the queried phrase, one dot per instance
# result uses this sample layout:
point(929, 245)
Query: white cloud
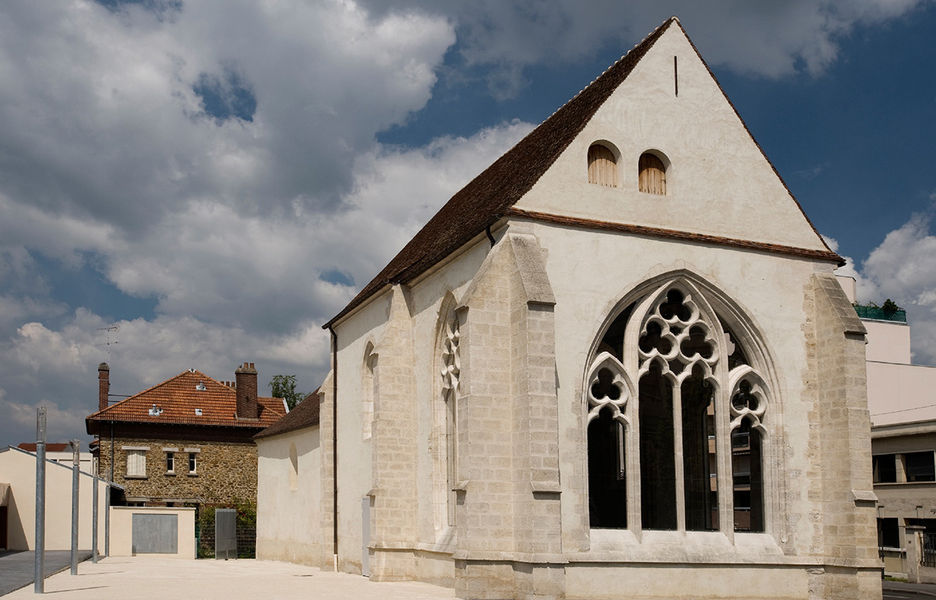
point(772, 39)
point(901, 268)
point(233, 287)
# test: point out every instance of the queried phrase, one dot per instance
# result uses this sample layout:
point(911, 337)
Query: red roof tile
point(177, 399)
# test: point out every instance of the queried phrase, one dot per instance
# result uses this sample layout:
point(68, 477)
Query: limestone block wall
point(225, 472)
point(842, 436)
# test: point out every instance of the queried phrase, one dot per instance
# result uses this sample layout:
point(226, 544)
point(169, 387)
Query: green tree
point(284, 386)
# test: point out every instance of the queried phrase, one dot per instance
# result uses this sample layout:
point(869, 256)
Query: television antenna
point(110, 338)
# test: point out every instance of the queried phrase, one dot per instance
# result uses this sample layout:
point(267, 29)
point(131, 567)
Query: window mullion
point(725, 474)
point(678, 458)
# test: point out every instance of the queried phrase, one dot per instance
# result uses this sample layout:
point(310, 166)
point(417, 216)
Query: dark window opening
point(613, 339)
point(888, 533)
point(748, 492)
point(736, 355)
point(920, 466)
point(607, 491)
point(657, 454)
point(699, 459)
point(170, 462)
point(885, 468)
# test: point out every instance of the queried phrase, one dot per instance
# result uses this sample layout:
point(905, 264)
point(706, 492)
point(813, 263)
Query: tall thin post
point(76, 457)
point(94, 515)
point(107, 501)
point(39, 571)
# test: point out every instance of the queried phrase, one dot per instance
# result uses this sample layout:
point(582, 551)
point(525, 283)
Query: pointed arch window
point(368, 392)
point(676, 436)
point(444, 435)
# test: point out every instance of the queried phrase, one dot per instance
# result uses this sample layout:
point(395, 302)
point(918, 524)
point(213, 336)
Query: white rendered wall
point(289, 520)
point(718, 182)
point(888, 341)
point(18, 468)
point(900, 393)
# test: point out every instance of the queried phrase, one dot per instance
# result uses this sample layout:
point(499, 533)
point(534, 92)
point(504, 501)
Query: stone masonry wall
point(226, 471)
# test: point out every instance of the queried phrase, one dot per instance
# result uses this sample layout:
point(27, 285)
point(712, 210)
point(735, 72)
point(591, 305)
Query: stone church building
point(615, 364)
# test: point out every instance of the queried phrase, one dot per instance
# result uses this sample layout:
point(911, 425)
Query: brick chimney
point(246, 388)
point(103, 375)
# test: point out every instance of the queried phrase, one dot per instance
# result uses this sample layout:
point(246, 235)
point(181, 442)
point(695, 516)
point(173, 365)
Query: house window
point(136, 463)
point(919, 466)
point(651, 174)
point(667, 377)
point(602, 166)
point(193, 463)
point(170, 463)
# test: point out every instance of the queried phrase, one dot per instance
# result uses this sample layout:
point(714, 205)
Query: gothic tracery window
point(673, 384)
point(447, 420)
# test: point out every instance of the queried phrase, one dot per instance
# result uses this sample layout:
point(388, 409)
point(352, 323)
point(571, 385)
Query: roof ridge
point(485, 199)
point(153, 387)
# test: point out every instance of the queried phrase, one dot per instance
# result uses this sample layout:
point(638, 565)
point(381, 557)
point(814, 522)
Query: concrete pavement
point(154, 578)
point(17, 568)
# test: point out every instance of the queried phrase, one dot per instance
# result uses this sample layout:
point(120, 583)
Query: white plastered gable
point(719, 182)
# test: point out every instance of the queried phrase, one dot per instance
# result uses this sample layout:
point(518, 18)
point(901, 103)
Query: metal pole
point(76, 456)
point(107, 501)
point(107, 497)
point(94, 515)
point(39, 572)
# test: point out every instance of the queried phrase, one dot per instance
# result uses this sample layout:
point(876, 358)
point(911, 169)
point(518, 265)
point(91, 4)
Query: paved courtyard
point(147, 577)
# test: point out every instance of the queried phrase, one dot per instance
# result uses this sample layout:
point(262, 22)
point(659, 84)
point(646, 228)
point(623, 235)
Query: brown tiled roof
point(178, 397)
point(305, 414)
point(489, 196)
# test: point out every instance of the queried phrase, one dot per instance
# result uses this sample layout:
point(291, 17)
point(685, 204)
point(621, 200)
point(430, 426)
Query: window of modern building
point(888, 533)
point(885, 468)
point(602, 166)
point(136, 463)
point(919, 466)
point(651, 174)
point(665, 399)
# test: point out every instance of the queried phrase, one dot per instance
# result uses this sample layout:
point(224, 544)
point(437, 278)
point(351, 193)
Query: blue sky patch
point(228, 96)
point(336, 276)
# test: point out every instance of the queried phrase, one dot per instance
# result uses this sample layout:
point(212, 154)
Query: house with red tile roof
point(185, 441)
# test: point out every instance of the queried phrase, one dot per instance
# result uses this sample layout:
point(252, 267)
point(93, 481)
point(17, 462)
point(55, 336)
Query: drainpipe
point(334, 348)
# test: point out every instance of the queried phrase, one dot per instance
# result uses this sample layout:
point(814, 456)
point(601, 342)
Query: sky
point(199, 184)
